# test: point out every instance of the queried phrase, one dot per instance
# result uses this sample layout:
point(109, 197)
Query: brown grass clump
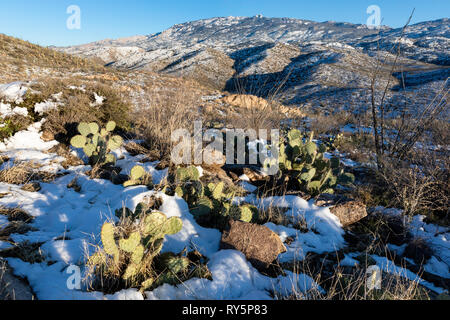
point(16, 214)
point(18, 174)
point(23, 172)
point(163, 113)
point(25, 251)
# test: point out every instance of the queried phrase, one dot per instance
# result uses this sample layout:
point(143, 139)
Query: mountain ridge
point(313, 60)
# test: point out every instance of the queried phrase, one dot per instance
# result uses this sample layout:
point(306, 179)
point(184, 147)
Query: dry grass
point(25, 251)
point(20, 59)
point(23, 172)
point(422, 187)
point(20, 173)
point(350, 283)
point(162, 113)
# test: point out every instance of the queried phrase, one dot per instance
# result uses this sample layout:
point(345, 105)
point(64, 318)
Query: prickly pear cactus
point(133, 255)
point(301, 158)
point(210, 204)
point(186, 174)
point(97, 143)
point(138, 176)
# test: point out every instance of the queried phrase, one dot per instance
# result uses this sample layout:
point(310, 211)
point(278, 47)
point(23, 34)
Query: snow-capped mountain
point(311, 60)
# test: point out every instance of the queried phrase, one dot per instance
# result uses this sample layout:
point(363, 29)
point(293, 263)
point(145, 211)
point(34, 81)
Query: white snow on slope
point(13, 91)
point(7, 111)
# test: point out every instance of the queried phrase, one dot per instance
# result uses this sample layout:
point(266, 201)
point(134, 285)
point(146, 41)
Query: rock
point(259, 244)
point(253, 102)
point(32, 187)
point(349, 212)
point(11, 288)
point(253, 175)
point(214, 158)
point(245, 101)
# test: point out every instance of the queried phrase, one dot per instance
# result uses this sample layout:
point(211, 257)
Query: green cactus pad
point(84, 129)
point(246, 213)
point(308, 176)
point(93, 128)
point(346, 178)
point(314, 186)
point(131, 183)
point(204, 207)
point(89, 150)
point(115, 142)
point(329, 191)
point(180, 191)
point(78, 141)
point(295, 137)
point(311, 148)
point(110, 126)
point(189, 173)
point(96, 259)
point(137, 172)
point(153, 224)
point(323, 148)
point(141, 208)
point(218, 191)
point(173, 225)
point(147, 284)
point(95, 139)
point(110, 158)
point(335, 163)
point(130, 244)
point(138, 254)
point(176, 264)
point(109, 243)
point(131, 271)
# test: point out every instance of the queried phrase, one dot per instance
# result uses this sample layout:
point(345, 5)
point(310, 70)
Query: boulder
point(349, 212)
point(260, 245)
point(11, 288)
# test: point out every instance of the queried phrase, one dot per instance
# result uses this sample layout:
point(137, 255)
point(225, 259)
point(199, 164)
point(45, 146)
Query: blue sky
point(44, 21)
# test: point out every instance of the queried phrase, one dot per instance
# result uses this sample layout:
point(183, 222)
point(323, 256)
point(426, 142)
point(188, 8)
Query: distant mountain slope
point(313, 61)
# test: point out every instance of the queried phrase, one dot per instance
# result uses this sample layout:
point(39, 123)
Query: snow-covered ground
point(77, 217)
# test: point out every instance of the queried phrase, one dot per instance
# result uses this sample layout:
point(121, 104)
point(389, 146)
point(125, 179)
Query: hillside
point(305, 63)
point(94, 206)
